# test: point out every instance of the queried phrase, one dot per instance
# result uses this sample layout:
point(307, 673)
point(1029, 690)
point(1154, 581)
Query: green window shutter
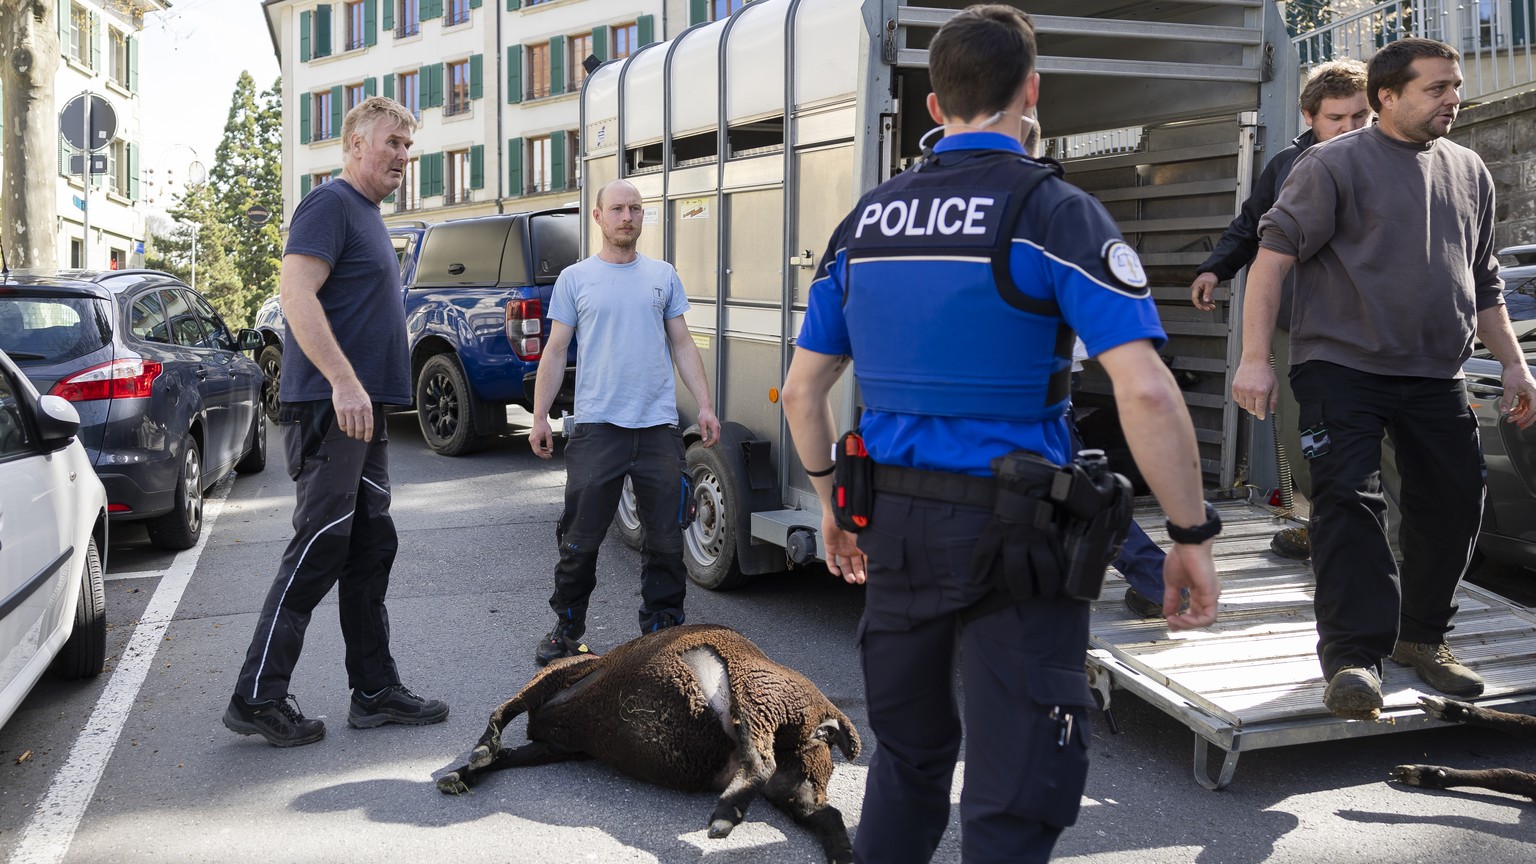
point(65, 26)
point(437, 173)
point(389, 15)
point(476, 70)
point(132, 151)
point(514, 167)
point(371, 87)
point(430, 10)
point(95, 39)
point(514, 74)
point(304, 37)
point(599, 42)
point(474, 4)
point(477, 166)
point(371, 21)
point(645, 29)
point(336, 112)
point(514, 5)
point(304, 101)
point(304, 185)
point(322, 31)
point(389, 199)
point(336, 173)
point(133, 64)
point(1519, 18)
point(389, 86)
point(557, 161)
point(698, 10)
point(438, 74)
point(557, 65)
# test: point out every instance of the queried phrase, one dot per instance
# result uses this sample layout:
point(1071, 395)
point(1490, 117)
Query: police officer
point(1006, 273)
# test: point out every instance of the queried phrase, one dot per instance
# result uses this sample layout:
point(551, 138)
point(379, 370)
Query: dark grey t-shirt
point(1394, 248)
point(361, 298)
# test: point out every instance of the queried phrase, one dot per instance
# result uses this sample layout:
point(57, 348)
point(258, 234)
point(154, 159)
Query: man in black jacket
point(1332, 103)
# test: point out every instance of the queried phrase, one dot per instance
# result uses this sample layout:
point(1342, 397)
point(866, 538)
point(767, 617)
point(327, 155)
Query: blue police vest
point(937, 325)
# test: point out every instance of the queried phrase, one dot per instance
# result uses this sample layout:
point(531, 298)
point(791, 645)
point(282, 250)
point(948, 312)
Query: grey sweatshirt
point(1394, 249)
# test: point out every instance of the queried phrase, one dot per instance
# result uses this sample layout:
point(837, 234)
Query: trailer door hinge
point(888, 44)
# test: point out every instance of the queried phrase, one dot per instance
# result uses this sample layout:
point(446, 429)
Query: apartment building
point(495, 83)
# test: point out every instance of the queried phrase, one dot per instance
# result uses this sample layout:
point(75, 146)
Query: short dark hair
point(1338, 79)
point(980, 58)
point(1392, 67)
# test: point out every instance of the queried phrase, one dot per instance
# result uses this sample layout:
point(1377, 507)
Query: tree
point(29, 58)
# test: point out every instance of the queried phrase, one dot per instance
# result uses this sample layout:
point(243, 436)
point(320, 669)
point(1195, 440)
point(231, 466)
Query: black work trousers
point(597, 459)
point(343, 534)
point(1363, 604)
point(1026, 697)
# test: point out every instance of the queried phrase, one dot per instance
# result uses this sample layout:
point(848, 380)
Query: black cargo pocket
point(305, 426)
point(1054, 741)
point(1314, 430)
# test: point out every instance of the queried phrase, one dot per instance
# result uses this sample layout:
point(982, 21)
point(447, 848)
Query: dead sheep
point(1506, 780)
point(696, 708)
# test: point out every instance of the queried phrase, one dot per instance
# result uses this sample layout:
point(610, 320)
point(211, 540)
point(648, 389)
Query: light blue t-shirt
point(623, 358)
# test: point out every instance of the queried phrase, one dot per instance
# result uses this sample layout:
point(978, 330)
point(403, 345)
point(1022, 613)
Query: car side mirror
point(249, 340)
point(57, 423)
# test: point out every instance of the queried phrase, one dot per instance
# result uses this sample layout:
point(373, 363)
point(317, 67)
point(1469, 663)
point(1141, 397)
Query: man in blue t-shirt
point(346, 359)
point(994, 252)
point(625, 311)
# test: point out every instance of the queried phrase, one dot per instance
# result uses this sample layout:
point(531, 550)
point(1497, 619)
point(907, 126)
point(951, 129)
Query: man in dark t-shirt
point(346, 359)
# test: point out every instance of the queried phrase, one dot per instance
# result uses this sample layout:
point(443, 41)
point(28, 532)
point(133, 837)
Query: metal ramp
point(1252, 681)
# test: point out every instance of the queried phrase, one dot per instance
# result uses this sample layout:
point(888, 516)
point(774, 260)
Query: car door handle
point(202, 371)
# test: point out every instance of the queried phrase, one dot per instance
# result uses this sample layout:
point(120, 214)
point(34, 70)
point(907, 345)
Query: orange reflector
point(773, 395)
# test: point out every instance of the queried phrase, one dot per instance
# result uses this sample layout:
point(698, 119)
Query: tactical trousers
point(597, 459)
point(1026, 697)
point(1363, 606)
point(342, 533)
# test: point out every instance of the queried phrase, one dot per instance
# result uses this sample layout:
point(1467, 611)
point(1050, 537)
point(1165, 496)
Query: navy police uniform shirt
point(952, 375)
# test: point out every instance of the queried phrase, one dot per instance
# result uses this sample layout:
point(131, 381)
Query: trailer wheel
point(709, 544)
point(445, 407)
point(626, 520)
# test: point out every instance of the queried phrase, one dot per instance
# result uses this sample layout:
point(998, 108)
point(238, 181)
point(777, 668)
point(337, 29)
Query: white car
point(53, 531)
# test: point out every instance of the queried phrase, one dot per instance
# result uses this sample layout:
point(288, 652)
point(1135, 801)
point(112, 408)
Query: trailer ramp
point(1252, 681)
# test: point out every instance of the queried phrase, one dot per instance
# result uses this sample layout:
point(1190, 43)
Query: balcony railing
point(407, 28)
point(460, 196)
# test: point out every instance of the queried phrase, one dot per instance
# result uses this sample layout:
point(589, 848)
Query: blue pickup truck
point(476, 294)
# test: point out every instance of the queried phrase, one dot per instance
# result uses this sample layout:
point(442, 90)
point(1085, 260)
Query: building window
point(320, 179)
point(458, 88)
point(458, 12)
point(117, 259)
point(118, 60)
point(117, 168)
point(721, 9)
point(457, 189)
point(540, 159)
point(577, 50)
point(354, 95)
point(78, 48)
point(407, 17)
point(538, 71)
point(356, 35)
point(408, 90)
point(320, 110)
point(626, 40)
point(408, 196)
point(76, 253)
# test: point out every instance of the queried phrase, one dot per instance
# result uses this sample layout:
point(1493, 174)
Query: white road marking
point(52, 828)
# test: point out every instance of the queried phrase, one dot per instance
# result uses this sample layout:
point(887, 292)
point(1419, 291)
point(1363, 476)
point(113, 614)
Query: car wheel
point(445, 407)
point(180, 528)
point(626, 519)
point(255, 458)
point(85, 652)
point(271, 362)
point(709, 544)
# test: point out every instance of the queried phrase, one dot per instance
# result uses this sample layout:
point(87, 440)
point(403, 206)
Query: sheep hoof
point(450, 784)
point(1424, 776)
point(1433, 706)
point(720, 829)
point(480, 757)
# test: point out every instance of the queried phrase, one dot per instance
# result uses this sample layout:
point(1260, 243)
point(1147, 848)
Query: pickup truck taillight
point(119, 379)
point(524, 329)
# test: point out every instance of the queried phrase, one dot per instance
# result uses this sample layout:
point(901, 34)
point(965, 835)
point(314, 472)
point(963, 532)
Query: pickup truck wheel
point(626, 520)
point(445, 407)
point(85, 652)
point(709, 544)
point(271, 362)
point(180, 528)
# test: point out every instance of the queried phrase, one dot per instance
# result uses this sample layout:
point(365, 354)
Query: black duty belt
point(966, 489)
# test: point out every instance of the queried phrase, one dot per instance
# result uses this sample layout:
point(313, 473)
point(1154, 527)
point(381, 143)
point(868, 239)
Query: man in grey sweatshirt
point(1391, 231)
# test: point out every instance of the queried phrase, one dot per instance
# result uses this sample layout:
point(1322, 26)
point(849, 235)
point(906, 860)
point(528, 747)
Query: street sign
point(103, 122)
point(256, 214)
point(98, 163)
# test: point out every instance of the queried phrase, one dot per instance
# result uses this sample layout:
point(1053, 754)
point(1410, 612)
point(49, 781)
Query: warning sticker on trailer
point(693, 208)
point(701, 341)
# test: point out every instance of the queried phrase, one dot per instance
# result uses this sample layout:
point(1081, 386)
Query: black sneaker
point(660, 621)
point(395, 704)
point(560, 642)
point(278, 721)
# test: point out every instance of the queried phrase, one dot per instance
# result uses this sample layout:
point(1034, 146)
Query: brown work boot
point(1291, 543)
point(1354, 693)
point(1438, 667)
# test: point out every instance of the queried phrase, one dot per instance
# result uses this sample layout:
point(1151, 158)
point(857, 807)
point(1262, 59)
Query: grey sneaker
point(1291, 543)
point(395, 704)
point(1354, 693)
point(278, 720)
point(1438, 667)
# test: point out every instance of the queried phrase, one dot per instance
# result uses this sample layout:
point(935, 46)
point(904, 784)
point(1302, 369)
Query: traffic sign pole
point(85, 178)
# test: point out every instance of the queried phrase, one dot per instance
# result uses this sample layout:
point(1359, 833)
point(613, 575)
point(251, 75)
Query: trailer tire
point(709, 544)
point(626, 519)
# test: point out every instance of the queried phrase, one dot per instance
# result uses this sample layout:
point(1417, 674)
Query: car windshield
point(51, 329)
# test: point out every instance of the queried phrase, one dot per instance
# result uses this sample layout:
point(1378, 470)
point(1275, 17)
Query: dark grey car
point(168, 403)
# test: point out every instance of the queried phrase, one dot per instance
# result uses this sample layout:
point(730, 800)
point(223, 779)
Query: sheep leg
point(466, 775)
point(1504, 780)
point(757, 766)
point(1472, 715)
point(804, 798)
point(547, 683)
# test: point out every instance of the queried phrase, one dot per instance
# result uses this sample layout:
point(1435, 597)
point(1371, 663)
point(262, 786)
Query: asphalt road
point(467, 603)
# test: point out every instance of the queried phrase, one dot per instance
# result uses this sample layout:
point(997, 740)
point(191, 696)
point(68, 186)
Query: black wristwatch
point(1196, 534)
